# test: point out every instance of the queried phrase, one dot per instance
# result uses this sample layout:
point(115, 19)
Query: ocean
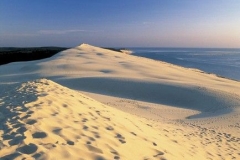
point(223, 62)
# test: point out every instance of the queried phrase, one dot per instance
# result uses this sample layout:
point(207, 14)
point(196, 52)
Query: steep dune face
point(49, 121)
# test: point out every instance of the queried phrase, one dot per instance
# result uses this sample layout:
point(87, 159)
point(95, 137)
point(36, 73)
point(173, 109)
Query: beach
point(93, 103)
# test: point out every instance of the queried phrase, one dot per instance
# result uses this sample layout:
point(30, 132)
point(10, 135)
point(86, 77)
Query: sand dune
point(173, 112)
point(104, 72)
point(48, 121)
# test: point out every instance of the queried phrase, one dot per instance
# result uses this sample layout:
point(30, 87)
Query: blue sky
point(122, 23)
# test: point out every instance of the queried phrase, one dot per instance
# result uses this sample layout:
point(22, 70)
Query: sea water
point(222, 62)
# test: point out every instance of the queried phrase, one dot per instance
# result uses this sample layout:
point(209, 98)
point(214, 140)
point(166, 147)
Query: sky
point(120, 23)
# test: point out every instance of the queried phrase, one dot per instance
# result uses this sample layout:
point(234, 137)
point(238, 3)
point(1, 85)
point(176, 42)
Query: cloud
point(63, 31)
point(46, 32)
point(19, 34)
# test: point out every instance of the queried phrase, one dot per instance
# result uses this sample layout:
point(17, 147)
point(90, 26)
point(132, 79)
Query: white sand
point(181, 113)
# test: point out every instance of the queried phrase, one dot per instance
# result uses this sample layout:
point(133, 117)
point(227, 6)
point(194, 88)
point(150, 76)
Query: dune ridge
point(173, 112)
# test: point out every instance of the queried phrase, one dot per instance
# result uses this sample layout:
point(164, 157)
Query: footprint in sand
point(48, 145)
point(57, 130)
point(17, 125)
point(70, 142)
point(16, 140)
point(85, 127)
point(94, 149)
point(133, 133)
point(39, 155)
point(95, 127)
point(84, 120)
point(91, 139)
point(39, 135)
point(159, 155)
point(21, 130)
point(109, 128)
point(65, 106)
point(28, 149)
point(31, 121)
point(116, 155)
point(25, 117)
point(154, 144)
point(97, 136)
point(120, 138)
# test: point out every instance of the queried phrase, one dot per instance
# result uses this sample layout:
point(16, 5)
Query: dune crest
point(84, 45)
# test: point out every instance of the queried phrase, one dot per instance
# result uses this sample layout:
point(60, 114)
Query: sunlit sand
point(139, 109)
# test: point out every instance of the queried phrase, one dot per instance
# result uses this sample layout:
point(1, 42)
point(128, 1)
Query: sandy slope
point(49, 121)
point(190, 113)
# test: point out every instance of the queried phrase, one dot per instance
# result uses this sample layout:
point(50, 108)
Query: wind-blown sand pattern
point(173, 112)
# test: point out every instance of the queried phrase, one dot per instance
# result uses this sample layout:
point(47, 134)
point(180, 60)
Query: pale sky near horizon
point(123, 23)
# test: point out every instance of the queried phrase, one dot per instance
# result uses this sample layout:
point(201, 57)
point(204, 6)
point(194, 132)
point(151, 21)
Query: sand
point(139, 109)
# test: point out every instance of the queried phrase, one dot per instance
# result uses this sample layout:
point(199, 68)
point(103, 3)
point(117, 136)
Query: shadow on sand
point(200, 99)
point(13, 112)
